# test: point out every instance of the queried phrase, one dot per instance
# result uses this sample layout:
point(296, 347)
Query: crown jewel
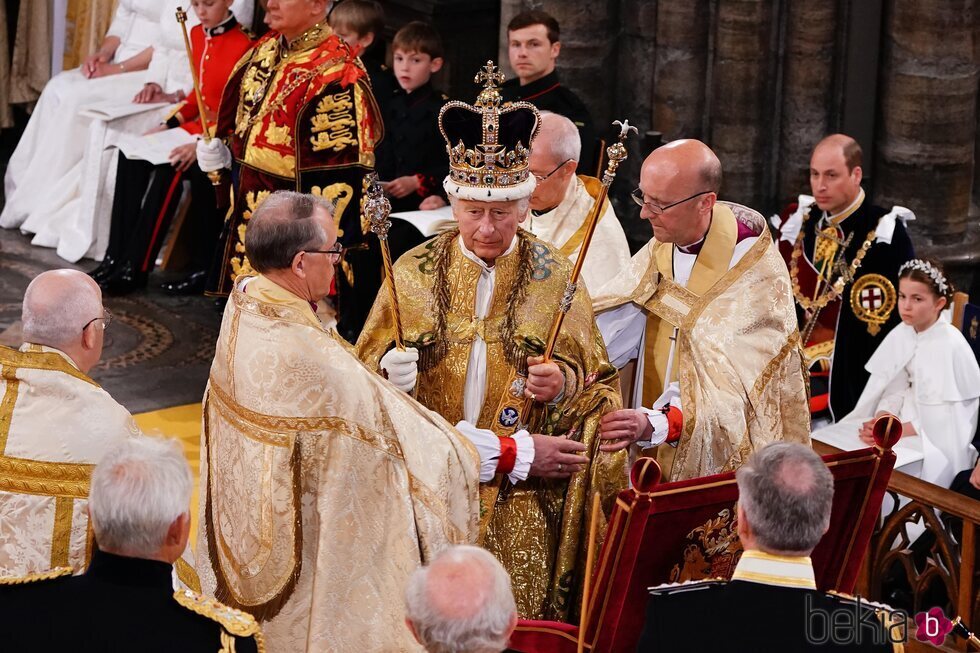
point(489, 143)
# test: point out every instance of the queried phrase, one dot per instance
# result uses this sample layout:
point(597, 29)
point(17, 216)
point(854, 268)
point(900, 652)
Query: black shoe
point(124, 280)
point(192, 284)
point(105, 269)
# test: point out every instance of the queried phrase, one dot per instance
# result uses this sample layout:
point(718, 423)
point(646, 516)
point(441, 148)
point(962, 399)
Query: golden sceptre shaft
point(214, 176)
point(377, 207)
point(616, 154)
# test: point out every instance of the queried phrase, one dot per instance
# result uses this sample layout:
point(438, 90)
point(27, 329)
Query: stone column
point(807, 89)
point(741, 99)
point(681, 67)
point(926, 135)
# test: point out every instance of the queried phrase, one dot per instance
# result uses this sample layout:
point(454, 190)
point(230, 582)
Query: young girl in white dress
point(925, 373)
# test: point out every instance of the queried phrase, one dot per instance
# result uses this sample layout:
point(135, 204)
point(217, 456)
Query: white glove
point(213, 155)
point(402, 368)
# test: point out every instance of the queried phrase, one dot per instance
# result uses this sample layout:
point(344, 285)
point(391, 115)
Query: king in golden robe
point(476, 307)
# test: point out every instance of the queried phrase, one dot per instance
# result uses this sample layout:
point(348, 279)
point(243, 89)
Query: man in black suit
point(125, 601)
point(772, 602)
point(533, 46)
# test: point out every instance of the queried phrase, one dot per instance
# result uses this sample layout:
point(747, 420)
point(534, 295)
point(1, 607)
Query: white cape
point(941, 402)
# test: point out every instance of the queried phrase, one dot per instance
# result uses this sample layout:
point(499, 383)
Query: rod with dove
point(616, 154)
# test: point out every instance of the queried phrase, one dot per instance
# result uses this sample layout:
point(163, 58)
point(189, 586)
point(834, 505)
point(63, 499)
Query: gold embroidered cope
point(537, 528)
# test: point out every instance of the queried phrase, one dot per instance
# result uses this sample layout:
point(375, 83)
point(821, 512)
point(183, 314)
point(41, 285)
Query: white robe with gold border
point(55, 424)
point(322, 486)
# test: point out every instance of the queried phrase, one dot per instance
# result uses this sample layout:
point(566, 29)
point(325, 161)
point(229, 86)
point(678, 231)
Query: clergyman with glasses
point(707, 310)
point(477, 304)
point(562, 203)
point(322, 486)
point(55, 424)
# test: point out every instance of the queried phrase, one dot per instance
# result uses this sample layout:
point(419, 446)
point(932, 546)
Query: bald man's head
point(683, 177)
point(58, 305)
point(461, 602)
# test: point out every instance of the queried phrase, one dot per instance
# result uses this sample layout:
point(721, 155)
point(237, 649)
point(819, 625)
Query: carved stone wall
point(761, 81)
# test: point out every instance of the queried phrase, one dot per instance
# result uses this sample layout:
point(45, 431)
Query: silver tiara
point(929, 269)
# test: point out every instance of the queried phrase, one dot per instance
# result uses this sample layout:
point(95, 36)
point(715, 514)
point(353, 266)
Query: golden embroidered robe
point(55, 424)
point(296, 116)
point(738, 357)
point(322, 487)
point(537, 528)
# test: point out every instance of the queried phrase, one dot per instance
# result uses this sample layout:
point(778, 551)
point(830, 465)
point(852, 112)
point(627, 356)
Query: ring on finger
point(534, 397)
point(559, 467)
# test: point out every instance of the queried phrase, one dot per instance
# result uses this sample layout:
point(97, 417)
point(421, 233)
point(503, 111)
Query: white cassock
point(55, 424)
point(61, 178)
point(564, 227)
point(930, 379)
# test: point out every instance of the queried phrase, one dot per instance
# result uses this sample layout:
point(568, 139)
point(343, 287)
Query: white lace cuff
point(488, 446)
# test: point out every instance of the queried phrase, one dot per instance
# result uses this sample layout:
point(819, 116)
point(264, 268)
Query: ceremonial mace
point(377, 207)
point(616, 154)
point(214, 176)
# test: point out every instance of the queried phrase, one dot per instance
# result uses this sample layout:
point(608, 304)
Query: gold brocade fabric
point(30, 62)
point(55, 424)
point(739, 360)
point(322, 487)
point(538, 528)
point(87, 24)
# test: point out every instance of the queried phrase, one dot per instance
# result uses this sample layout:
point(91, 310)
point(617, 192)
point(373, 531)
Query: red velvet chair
point(674, 532)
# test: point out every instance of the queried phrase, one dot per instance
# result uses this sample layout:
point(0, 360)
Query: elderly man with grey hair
point(562, 203)
point(139, 508)
point(786, 493)
point(461, 603)
point(323, 486)
point(55, 423)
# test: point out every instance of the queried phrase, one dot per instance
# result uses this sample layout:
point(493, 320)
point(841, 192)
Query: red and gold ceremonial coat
point(300, 116)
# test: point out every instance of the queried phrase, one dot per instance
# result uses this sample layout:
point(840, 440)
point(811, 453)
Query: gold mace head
point(181, 15)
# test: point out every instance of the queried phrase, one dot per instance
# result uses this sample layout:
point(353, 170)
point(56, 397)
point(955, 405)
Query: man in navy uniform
point(533, 46)
point(772, 602)
point(138, 504)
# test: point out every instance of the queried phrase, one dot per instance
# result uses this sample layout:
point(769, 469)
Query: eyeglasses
point(338, 252)
point(540, 178)
point(106, 319)
point(637, 196)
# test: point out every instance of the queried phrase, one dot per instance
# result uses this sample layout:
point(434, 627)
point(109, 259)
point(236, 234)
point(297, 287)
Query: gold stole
point(592, 186)
point(712, 264)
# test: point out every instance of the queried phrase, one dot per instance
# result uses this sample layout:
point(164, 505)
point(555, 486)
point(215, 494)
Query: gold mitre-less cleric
point(489, 144)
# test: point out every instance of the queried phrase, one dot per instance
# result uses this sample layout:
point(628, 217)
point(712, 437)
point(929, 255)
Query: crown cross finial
point(489, 76)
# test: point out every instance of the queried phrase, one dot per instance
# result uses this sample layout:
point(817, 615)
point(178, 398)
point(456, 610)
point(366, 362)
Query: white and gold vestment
point(55, 424)
point(322, 486)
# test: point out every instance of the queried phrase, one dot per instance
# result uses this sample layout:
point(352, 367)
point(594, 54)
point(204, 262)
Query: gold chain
point(834, 291)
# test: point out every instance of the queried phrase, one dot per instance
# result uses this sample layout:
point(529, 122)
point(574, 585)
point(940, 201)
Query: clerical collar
point(695, 247)
point(537, 88)
point(837, 218)
point(308, 39)
point(226, 25)
point(538, 213)
point(476, 259)
point(780, 571)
